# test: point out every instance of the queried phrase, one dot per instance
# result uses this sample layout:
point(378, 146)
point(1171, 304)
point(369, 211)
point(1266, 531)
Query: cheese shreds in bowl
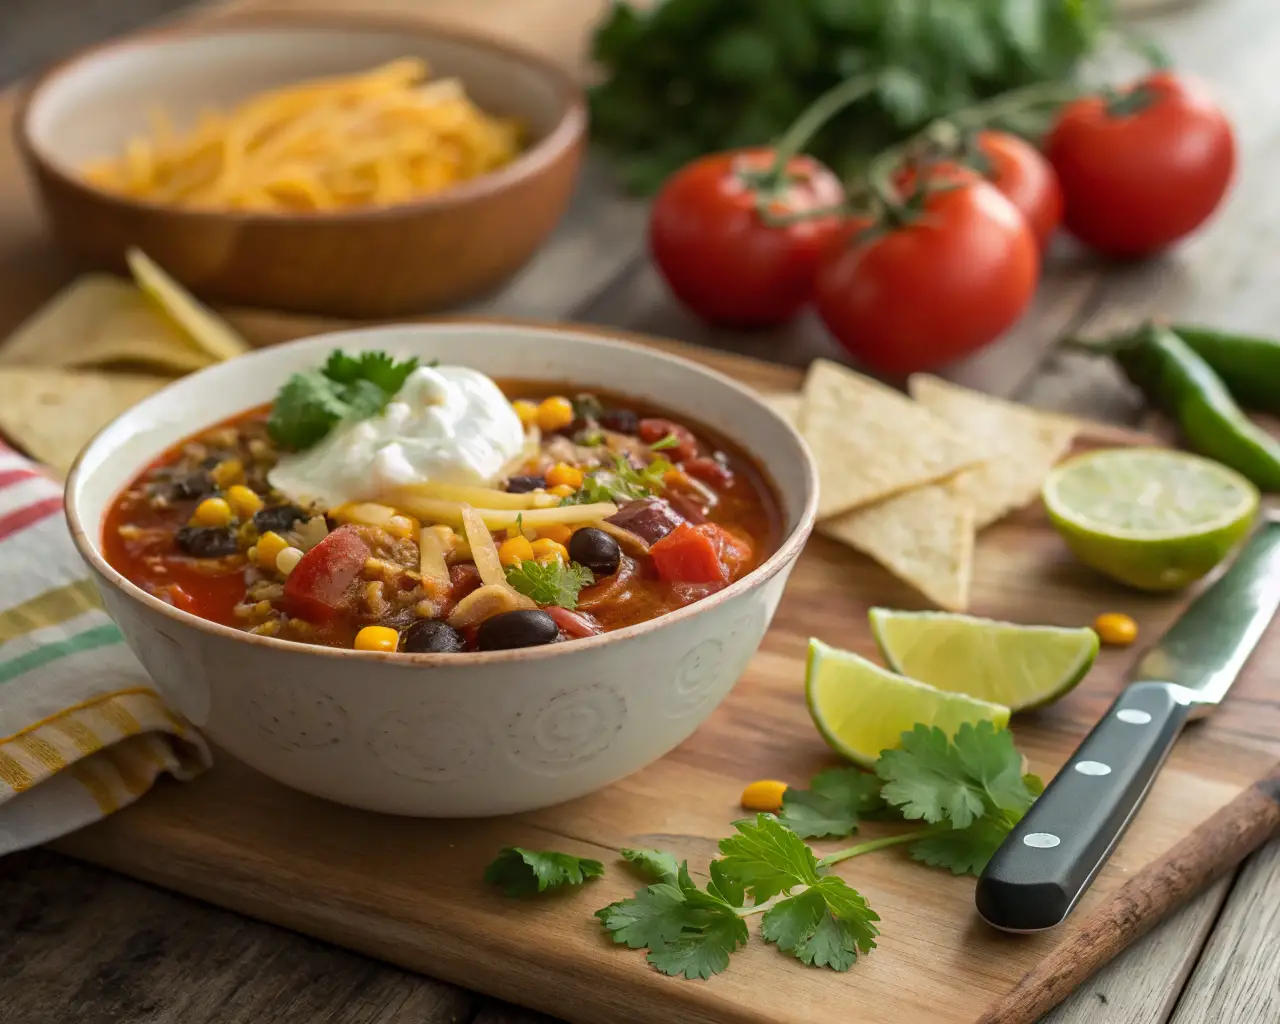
point(378, 138)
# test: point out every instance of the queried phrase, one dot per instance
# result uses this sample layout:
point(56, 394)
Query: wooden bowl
point(371, 262)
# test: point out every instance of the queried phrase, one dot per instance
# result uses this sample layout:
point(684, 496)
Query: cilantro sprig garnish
point(550, 582)
point(346, 387)
point(620, 483)
point(969, 790)
point(692, 931)
point(522, 872)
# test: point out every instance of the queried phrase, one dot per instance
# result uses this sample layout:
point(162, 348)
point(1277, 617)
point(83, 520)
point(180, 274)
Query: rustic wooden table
point(81, 945)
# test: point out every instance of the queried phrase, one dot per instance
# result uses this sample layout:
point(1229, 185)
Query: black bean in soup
point(207, 541)
point(524, 484)
point(525, 628)
point(596, 550)
point(620, 421)
point(277, 518)
point(431, 636)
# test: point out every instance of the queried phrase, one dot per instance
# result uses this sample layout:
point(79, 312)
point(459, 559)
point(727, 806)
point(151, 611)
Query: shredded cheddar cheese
point(372, 139)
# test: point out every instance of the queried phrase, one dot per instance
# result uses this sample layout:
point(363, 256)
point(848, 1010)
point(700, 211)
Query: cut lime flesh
point(1153, 518)
point(862, 709)
point(1020, 667)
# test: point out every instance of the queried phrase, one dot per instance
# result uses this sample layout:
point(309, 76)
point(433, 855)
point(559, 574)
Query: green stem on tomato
point(810, 122)
point(947, 132)
point(879, 844)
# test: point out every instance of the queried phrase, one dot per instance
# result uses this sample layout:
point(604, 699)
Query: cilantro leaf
point(523, 872)
point(832, 805)
point(972, 783)
point(767, 858)
point(655, 864)
point(960, 780)
point(305, 409)
point(620, 482)
point(377, 368)
point(965, 851)
point(347, 387)
point(550, 582)
point(688, 931)
point(827, 925)
point(704, 951)
point(663, 443)
point(724, 887)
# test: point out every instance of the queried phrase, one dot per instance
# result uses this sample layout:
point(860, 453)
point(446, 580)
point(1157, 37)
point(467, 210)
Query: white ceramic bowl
point(450, 735)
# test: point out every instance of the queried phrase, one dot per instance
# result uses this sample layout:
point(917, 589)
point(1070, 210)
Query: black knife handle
point(1051, 856)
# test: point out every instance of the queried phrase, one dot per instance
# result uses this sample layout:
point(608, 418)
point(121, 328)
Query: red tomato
point(710, 472)
point(1142, 170)
point(916, 296)
point(691, 554)
point(1026, 179)
point(716, 253)
point(654, 430)
point(1019, 171)
point(315, 588)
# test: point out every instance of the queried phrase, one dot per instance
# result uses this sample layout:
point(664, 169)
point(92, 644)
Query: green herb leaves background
point(689, 77)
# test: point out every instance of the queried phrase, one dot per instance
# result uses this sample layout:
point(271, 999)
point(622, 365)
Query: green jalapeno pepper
point(1182, 383)
point(1248, 365)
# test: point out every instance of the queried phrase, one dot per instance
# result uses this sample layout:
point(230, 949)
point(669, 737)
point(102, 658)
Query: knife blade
point(1046, 863)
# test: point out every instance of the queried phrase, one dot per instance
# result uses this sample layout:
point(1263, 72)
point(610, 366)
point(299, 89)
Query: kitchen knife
point(1047, 862)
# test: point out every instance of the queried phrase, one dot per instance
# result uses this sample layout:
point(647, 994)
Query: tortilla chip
point(1021, 445)
point(99, 320)
point(924, 536)
point(871, 442)
point(52, 414)
point(786, 404)
point(207, 331)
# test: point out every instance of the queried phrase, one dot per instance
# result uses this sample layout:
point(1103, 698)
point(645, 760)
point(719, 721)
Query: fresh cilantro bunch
point(550, 582)
point(620, 482)
point(688, 77)
point(969, 789)
point(346, 387)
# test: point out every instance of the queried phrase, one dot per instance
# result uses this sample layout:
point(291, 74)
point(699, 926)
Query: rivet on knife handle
point(1048, 860)
point(1046, 863)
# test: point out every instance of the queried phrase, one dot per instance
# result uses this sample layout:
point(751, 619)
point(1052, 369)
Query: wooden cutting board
point(409, 891)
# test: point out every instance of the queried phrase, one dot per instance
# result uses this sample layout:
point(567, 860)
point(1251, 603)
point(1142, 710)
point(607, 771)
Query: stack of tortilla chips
point(911, 480)
point(98, 348)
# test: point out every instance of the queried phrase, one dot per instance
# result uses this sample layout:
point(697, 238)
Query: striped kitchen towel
point(82, 730)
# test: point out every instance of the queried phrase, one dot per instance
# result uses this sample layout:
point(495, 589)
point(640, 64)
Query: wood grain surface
point(592, 270)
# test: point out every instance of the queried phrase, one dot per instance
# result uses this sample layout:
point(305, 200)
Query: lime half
point(862, 709)
point(1153, 518)
point(1020, 667)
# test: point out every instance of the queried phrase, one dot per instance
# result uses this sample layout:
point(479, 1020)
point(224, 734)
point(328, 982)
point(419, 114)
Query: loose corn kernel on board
point(409, 891)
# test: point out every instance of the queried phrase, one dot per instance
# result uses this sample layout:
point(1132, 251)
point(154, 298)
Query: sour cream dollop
point(447, 424)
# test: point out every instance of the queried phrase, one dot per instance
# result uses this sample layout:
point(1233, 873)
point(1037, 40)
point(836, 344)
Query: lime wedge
point(1020, 667)
point(862, 709)
point(1153, 518)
